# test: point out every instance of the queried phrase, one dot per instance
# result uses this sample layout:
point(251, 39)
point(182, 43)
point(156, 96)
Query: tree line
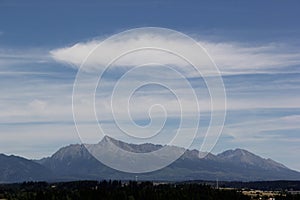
point(131, 190)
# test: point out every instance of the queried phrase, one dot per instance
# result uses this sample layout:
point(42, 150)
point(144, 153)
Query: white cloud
point(231, 58)
point(236, 58)
point(257, 130)
point(38, 105)
point(13, 57)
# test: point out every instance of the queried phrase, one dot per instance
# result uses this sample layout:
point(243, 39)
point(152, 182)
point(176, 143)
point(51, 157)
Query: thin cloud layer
point(231, 58)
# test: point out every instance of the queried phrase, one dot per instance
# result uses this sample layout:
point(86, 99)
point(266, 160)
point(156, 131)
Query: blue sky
point(255, 45)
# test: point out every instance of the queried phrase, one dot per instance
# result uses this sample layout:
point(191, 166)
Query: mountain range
point(74, 162)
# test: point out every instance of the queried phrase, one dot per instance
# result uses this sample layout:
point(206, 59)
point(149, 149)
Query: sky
point(255, 45)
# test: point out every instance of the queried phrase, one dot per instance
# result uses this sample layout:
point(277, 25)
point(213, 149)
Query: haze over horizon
point(254, 44)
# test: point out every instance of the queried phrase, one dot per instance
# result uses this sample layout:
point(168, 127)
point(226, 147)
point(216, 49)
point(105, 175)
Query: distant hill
point(16, 169)
point(74, 162)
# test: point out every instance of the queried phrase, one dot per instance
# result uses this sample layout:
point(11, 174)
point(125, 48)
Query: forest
point(131, 190)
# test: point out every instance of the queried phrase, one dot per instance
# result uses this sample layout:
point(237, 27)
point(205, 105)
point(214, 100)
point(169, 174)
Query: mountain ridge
point(74, 162)
point(15, 168)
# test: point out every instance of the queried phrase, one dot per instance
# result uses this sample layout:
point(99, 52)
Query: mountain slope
point(17, 169)
point(241, 156)
point(75, 162)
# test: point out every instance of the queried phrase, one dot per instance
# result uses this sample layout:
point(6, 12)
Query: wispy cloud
point(259, 130)
point(231, 57)
point(13, 57)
